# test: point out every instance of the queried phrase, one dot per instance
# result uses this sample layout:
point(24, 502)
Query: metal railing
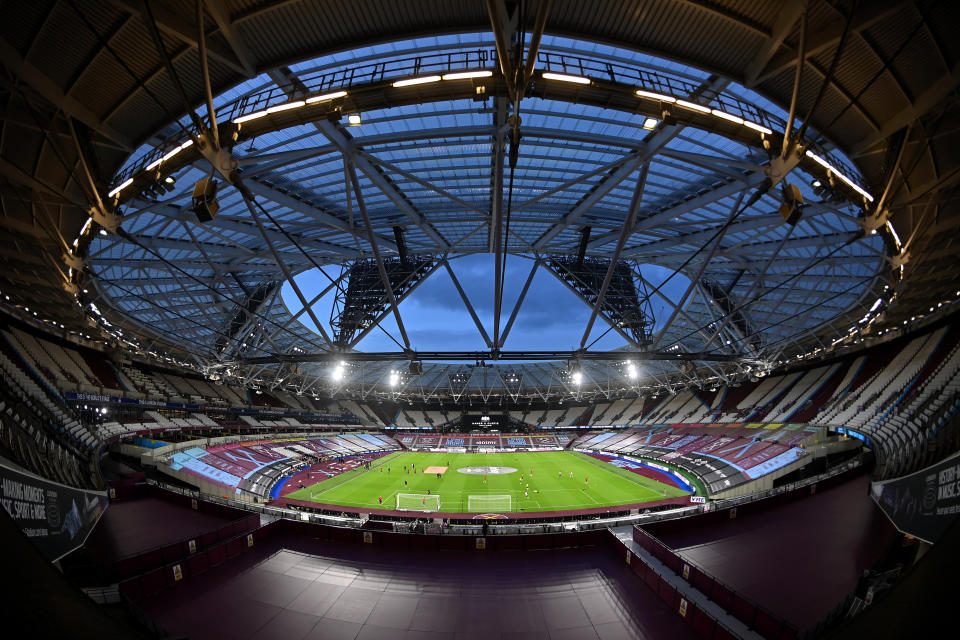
point(470, 60)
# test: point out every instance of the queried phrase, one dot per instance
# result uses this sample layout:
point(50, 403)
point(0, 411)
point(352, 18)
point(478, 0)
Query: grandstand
point(318, 317)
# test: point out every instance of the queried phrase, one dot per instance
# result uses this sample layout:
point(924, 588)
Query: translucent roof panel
point(706, 261)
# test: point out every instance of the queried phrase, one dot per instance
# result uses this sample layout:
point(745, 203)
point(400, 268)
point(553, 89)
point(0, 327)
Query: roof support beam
point(823, 38)
point(172, 24)
point(221, 16)
point(624, 234)
point(409, 290)
point(467, 304)
point(664, 135)
point(373, 173)
point(251, 205)
point(318, 215)
point(933, 96)
point(47, 88)
point(695, 280)
point(387, 287)
point(499, 145)
point(516, 307)
point(790, 12)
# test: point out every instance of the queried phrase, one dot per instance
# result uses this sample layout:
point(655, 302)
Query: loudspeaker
point(416, 368)
point(205, 205)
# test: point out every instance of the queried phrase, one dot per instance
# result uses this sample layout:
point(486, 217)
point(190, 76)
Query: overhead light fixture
point(326, 96)
point(650, 123)
point(563, 77)
point(286, 106)
point(103, 232)
point(123, 185)
point(893, 232)
point(464, 75)
point(693, 106)
point(756, 127)
point(249, 117)
point(354, 120)
point(850, 183)
point(409, 82)
point(726, 116)
point(655, 96)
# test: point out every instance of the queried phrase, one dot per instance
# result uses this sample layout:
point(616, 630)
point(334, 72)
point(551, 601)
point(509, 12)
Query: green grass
point(608, 486)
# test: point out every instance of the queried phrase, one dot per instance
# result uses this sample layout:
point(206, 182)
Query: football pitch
point(540, 481)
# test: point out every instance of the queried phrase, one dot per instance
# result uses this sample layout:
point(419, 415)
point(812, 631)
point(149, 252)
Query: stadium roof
point(671, 120)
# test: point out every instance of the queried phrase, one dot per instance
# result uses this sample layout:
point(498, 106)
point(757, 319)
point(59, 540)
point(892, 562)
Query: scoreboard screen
point(483, 422)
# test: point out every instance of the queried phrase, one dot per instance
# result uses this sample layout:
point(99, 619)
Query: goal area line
point(488, 502)
point(426, 502)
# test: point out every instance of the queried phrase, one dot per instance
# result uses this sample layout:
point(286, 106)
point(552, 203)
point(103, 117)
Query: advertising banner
point(55, 517)
point(922, 504)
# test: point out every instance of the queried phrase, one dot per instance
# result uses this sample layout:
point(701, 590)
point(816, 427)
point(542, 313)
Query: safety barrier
point(239, 522)
point(763, 621)
point(181, 570)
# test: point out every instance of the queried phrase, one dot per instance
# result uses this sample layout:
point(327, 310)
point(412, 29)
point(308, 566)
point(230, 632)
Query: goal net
point(417, 502)
point(488, 503)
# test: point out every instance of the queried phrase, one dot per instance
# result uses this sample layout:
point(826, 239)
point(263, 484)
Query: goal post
point(484, 504)
point(418, 502)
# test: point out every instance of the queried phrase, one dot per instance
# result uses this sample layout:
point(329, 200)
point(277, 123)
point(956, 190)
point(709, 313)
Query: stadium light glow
point(829, 167)
point(655, 96)
point(577, 377)
point(893, 233)
point(757, 127)
point(326, 96)
point(650, 123)
point(354, 120)
point(409, 82)
point(123, 185)
point(563, 77)
point(296, 104)
point(464, 75)
point(726, 116)
point(250, 116)
point(693, 106)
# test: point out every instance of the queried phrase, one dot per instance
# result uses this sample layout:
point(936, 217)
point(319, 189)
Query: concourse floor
point(798, 559)
point(133, 526)
point(292, 589)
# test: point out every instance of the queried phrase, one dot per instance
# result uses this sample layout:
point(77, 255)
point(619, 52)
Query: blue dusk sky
point(552, 318)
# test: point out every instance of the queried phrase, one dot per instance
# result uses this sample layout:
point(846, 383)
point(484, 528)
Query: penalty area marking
point(435, 470)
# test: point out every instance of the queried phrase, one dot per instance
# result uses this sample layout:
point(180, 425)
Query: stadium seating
point(254, 466)
point(723, 455)
point(39, 431)
point(901, 397)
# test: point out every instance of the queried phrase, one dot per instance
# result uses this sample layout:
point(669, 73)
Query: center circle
point(486, 471)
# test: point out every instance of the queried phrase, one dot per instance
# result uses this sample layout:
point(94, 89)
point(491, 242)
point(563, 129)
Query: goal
point(418, 502)
point(488, 503)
